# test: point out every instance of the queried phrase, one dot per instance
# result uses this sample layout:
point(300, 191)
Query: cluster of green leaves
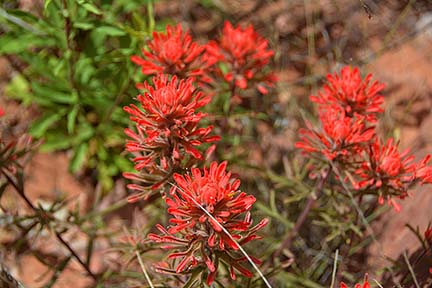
point(73, 59)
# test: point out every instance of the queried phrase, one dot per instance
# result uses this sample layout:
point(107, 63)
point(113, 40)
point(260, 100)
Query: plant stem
point(144, 269)
point(363, 218)
point(410, 269)
point(334, 269)
point(286, 243)
point(20, 191)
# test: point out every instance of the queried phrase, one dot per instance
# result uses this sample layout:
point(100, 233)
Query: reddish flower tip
point(173, 52)
point(167, 124)
point(428, 234)
point(365, 283)
point(246, 53)
point(338, 136)
point(348, 91)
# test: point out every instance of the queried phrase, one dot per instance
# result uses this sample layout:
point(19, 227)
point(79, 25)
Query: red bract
point(364, 285)
point(246, 53)
point(173, 52)
point(423, 171)
point(201, 239)
point(428, 234)
point(339, 136)
point(356, 96)
point(166, 127)
point(389, 171)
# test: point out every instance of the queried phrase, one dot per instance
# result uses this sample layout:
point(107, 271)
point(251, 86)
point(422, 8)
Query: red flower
point(246, 53)
point(202, 240)
point(365, 284)
point(423, 171)
point(173, 52)
point(166, 127)
point(428, 234)
point(390, 171)
point(351, 93)
point(2, 113)
point(339, 136)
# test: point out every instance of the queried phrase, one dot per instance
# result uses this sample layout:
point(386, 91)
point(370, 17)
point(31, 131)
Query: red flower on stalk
point(339, 137)
point(389, 171)
point(246, 53)
point(173, 52)
point(356, 96)
point(206, 204)
point(166, 127)
point(364, 285)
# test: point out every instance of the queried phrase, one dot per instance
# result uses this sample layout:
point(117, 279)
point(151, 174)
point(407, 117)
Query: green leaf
point(47, 2)
point(54, 142)
point(39, 127)
point(138, 23)
point(266, 210)
point(51, 94)
point(150, 15)
point(79, 156)
point(123, 164)
point(18, 88)
point(110, 31)
point(105, 177)
point(83, 25)
point(12, 44)
point(71, 118)
point(24, 16)
point(91, 8)
point(85, 132)
point(84, 70)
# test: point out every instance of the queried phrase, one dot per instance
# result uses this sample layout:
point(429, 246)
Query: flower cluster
point(349, 107)
point(386, 167)
point(210, 215)
point(364, 285)
point(246, 54)
point(339, 136)
point(166, 128)
point(174, 53)
point(210, 219)
point(242, 53)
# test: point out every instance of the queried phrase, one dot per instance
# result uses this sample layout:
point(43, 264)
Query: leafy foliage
point(74, 62)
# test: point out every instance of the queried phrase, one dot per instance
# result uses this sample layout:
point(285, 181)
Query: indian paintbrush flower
point(338, 136)
point(245, 54)
point(389, 171)
point(167, 128)
point(356, 96)
point(198, 239)
point(175, 53)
